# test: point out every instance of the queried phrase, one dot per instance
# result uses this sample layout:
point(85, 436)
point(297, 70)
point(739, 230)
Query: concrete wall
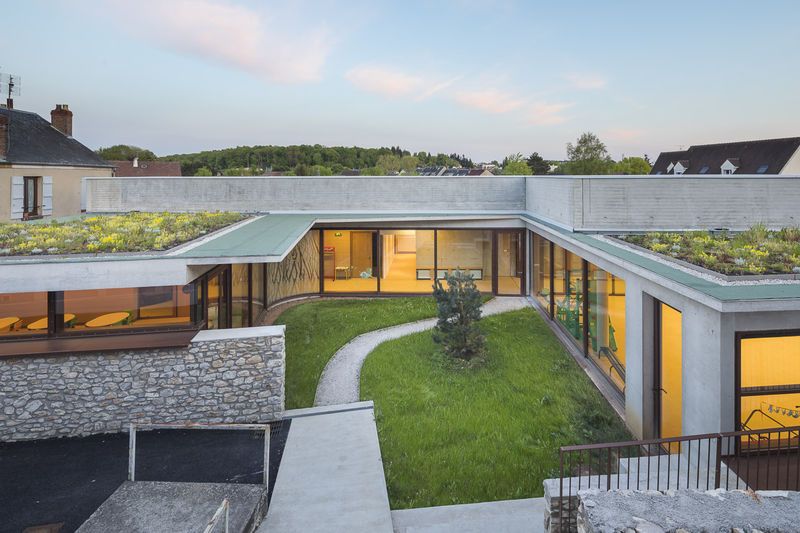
point(66, 187)
point(223, 376)
point(323, 193)
point(611, 203)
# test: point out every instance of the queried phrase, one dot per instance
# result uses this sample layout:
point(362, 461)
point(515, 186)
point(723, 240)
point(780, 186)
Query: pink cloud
point(547, 114)
point(232, 35)
point(384, 80)
point(489, 100)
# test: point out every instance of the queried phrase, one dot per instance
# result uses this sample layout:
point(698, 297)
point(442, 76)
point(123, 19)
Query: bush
point(459, 309)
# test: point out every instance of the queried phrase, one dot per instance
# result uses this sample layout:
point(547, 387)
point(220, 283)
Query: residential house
point(137, 167)
point(42, 165)
point(768, 156)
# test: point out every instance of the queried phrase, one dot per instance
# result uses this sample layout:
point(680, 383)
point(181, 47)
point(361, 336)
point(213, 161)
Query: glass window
point(23, 313)
point(569, 297)
point(240, 301)
point(607, 324)
point(407, 261)
point(217, 307)
point(259, 297)
point(101, 309)
point(770, 382)
point(541, 270)
point(468, 250)
point(351, 260)
point(510, 262)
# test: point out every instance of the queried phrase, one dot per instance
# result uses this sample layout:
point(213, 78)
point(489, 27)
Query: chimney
point(61, 119)
point(135, 162)
point(3, 137)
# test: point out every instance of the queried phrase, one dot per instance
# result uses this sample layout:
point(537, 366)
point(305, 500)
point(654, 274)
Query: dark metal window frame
point(37, 208)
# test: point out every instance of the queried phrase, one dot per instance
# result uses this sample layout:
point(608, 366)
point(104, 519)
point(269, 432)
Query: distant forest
point(302, 159)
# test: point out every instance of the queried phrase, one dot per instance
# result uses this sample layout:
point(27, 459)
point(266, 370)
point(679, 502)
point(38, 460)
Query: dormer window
point(729, 166)
point(670, 167)
point(680, 167)
point(762, 169)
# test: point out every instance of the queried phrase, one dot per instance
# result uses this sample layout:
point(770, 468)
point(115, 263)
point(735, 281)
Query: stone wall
point(222, 376)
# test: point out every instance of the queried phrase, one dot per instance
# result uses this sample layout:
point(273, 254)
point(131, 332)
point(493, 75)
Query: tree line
point(588, 155)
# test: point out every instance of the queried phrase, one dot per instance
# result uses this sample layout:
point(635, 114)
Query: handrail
point(223, 507)
point(134, 426)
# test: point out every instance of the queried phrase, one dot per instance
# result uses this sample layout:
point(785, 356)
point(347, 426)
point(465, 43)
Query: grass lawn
point(315, 330)
point(453, 435)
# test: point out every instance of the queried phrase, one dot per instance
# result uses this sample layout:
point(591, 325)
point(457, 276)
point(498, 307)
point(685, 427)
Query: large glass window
point(350, 260)
point(98, 310)
point(407, 260)
point(510, 262)
point(468, 250)
point(607, 324)
point(259, 296)
point(23, 313)
point(541, 270)
point(569, 295)
point(217, 301)
point(770, 382)
point(240, 302)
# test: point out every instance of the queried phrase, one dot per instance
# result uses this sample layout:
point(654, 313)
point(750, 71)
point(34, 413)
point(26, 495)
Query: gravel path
point(339, 382)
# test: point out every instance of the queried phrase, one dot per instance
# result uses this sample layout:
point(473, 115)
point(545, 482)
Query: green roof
point(758, 291)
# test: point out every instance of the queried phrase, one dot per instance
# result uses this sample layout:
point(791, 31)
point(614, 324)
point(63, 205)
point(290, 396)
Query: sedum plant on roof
point(755, 251)
point(130, 232)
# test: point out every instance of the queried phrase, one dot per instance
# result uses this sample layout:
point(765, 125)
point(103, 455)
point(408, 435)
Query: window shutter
point(47, 195)
point(17, 197)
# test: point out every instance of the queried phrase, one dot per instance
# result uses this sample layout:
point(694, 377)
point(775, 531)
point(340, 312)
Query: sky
point(483, 78)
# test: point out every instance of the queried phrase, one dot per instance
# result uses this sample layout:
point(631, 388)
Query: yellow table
point(42, 322)
point(108, 319)
point(8, 322)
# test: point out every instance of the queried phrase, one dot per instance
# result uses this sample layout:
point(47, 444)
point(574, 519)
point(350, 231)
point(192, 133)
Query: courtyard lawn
point(453, 435)
point(316, 330)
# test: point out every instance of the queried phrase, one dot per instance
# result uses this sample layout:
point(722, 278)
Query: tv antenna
point(10, 84)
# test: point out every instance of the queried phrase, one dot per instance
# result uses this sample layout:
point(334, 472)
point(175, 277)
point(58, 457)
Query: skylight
point(703, 170)
point(762, 169)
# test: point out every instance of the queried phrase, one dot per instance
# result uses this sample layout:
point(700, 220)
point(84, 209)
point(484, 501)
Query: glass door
point(510, 260)
point(217, 311)
point(669, 381)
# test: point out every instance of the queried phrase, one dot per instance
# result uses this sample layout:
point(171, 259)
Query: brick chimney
point(61, 119)
point(3, 137)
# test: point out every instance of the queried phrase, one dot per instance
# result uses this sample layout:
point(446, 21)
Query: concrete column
point(639, 335)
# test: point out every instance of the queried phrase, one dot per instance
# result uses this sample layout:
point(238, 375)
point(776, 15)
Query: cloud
point(547, 114)
point(231, 35)
point(384, 80)
point(586, 82)
point(489, 100)
point(438, 87)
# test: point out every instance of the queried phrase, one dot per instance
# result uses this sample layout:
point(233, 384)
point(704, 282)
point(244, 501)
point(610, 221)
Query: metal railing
point(193, 425)
point(222, 510)
point(766, 459)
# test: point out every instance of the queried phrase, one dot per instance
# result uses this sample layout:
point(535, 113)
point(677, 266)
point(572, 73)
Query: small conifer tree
point(459, 308)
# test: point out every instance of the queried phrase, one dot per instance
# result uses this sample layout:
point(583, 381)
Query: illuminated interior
point(569, 294)
point(510, 262)
point(350, 261)
point(469, 250)
point(407, 261)
point(671, 362)
point(19, 310)
point(127, 308)
point(240, 301)
point(607, 324)
point(541, 270)
point(770, 382)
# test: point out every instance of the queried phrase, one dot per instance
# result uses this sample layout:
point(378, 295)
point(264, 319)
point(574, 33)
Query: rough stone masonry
point(232, 376)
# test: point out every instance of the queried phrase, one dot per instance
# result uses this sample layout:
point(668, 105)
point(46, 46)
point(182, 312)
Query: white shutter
point(17, 197)
point(47, 196)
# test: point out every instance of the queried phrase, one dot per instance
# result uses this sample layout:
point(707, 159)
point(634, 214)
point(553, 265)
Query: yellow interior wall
point(770, 361)
point(341, 245)
point(671, 371)
point(771, 418)
point(465, 249)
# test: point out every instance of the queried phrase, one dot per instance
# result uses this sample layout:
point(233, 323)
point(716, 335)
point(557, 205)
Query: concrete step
point(508, 516)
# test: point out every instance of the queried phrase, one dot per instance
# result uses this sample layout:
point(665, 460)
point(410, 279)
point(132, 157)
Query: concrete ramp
point(508, 516)
point(331, 476)
point(157, 506)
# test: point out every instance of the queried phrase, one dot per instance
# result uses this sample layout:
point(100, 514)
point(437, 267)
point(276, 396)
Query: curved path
point(339, 382)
